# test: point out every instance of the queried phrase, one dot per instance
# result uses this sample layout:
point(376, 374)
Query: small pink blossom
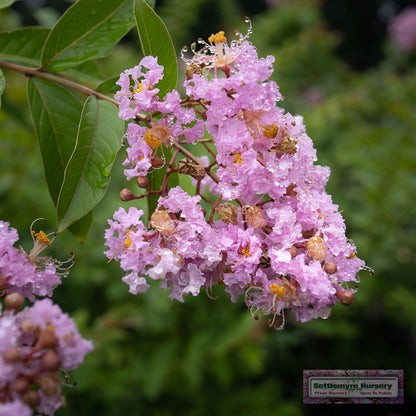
point(28, 274)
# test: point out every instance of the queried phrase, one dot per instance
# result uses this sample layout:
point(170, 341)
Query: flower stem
point(36, 72)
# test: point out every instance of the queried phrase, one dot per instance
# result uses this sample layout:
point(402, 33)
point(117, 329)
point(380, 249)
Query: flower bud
point(143, 182)
point(50, 384)
point(50, 360)
point(47, 339)
point(330, 267)
point(3, 282)
point(14, 301)
point(31, 398)
point(127, 195)
point(20, 385)
point(11, 355)
point(198, 173)
point(156, 161)
point(346, 297)
point(29, 328)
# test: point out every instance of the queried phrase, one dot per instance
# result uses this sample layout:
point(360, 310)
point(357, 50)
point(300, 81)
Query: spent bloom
point(260, 222)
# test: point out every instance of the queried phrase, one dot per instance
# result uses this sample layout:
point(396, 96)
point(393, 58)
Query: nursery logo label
point(353, 386)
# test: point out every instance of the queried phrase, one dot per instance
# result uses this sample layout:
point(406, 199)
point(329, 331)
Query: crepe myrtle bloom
point(37, 344)
point(260, 222)
point(29, 274)
point(164, 120)
point(40, 341)
point(177, 246)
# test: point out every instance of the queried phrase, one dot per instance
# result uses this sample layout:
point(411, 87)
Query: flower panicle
point(36, 345)
point(260, 223)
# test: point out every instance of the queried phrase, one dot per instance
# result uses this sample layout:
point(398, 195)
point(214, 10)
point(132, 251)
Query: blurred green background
point(336, 66)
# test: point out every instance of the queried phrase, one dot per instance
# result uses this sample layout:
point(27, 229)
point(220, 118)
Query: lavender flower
point(35, 345)
point(402, 29)
point(28, 274)
point(271, 233)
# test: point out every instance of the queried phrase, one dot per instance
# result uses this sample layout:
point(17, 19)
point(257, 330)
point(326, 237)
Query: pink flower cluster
point(402, 29)
point(40, 341)
point(35, 345)
point(175, 121)
point(265, 228)
point(27, 274)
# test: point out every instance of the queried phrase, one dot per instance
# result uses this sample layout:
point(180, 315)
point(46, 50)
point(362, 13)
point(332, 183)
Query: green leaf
point(88, 171)
point(87, 73)
point(2, 84)
point(155, 40)
point(6, 3)
point(81, 227)
point(55, 113)
point(109, 86)
point(89, 29)
point(23, 45)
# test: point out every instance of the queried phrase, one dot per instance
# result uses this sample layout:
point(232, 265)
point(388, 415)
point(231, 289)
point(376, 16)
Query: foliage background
point(357, 93)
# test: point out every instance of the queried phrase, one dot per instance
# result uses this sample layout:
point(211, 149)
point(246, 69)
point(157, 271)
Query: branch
point(36, 72)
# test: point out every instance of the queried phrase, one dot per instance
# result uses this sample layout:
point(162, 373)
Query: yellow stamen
point(139, 89)
point(238, 158)
point(246, 250)
point(352, 256)
point(127, 241)
point(277, 290)
point(42, 238)
point(217, 38)
point(152, 140)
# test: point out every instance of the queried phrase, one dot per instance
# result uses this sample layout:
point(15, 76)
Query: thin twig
point(36, 72)
point(211, 216)
point(209, 150)
point(169, 170)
